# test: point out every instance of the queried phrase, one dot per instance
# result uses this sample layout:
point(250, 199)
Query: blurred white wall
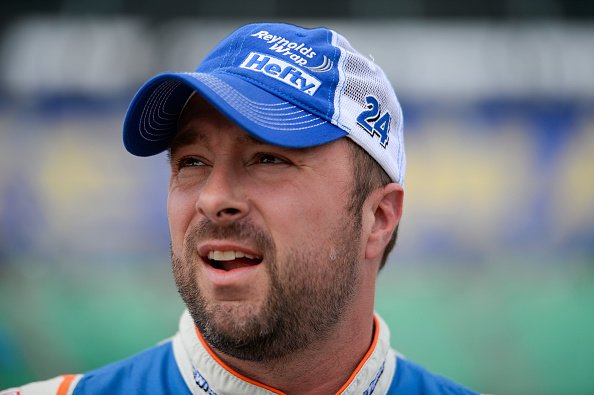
point(438, 60)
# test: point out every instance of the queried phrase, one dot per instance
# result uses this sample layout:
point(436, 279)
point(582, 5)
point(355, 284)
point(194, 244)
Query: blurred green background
point(492, 279)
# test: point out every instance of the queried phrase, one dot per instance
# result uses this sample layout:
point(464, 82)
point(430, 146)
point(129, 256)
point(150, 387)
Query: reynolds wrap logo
point(298, 52)
point(282, 71)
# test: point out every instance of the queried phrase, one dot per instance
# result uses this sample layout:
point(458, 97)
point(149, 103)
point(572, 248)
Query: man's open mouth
point(229, 260)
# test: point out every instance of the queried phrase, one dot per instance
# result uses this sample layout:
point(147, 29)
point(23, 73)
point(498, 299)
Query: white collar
point(204, 373)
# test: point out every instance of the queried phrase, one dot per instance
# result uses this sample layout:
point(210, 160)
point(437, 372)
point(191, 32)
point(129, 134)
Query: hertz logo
point(282, 71)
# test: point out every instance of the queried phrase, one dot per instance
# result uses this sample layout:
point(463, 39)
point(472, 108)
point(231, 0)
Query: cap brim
point(151, 120)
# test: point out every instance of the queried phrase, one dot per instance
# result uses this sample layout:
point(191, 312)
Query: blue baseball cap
point(285, 85)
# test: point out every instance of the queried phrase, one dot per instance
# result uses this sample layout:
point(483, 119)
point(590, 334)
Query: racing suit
point(185, 364)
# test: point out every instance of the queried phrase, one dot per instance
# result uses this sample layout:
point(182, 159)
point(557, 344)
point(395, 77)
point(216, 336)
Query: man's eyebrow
point(194, 135)
point(185, 137)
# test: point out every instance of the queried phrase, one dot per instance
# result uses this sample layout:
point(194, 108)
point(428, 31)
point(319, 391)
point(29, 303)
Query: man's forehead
point(197, 133)
point(198, 120)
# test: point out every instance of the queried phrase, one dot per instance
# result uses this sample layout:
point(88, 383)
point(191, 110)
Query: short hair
point(368, 175)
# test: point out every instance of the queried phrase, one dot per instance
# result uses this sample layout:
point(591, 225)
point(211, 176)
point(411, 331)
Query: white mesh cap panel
point(360, 78)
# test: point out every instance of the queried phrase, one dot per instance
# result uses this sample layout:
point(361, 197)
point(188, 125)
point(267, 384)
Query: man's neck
point(322, 368)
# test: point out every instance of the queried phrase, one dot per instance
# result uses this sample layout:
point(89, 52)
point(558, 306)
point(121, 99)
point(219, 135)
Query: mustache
point(240, 231)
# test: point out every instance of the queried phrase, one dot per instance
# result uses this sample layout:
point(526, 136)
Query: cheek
point(180, 211)
point(298, 221)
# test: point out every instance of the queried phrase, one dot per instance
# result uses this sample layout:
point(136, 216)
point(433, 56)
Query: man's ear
point(385, 205)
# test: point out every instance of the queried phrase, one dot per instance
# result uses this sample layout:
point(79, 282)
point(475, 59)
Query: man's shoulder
point(411, 378)
point(62, 385)
point(152, 371)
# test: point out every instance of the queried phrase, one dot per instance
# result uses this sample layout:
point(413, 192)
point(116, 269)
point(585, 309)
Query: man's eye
point(189, 162)
point(270, 159)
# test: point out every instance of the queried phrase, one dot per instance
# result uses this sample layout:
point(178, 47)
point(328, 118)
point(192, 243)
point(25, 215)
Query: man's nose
point(221, 198)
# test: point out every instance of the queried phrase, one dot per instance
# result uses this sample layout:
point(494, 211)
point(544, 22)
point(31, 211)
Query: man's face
point(265, 252)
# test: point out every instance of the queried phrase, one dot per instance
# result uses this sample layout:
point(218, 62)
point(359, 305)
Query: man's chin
point(235, 321)
point(237, 331)
point(237, 317)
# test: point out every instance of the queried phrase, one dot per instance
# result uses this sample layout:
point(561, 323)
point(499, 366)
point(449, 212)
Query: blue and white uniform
point(185, 364)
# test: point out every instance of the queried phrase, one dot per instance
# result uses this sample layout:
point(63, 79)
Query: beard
point(310, 288)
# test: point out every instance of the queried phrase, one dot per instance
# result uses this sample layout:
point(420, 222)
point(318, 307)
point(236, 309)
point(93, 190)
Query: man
point(286, 189)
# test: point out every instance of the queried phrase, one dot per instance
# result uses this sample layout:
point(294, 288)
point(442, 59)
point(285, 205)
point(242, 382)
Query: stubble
point(310, 288)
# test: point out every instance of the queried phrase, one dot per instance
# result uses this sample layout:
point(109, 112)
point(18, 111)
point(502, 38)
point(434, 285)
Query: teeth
point(228, 255)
